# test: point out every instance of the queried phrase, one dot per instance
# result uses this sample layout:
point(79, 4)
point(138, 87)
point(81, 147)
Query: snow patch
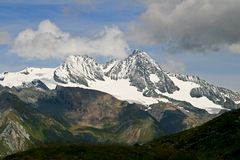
point(163, 100)
point(148, 108)
point(181, 108)
point(154, 78)
point(237, 102)
point(122, 90)
point(15, 79)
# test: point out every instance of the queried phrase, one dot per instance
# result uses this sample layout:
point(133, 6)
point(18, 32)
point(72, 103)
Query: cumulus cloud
point(48, 41)
point(190, 25)
point(5, 38)
point(174, 66)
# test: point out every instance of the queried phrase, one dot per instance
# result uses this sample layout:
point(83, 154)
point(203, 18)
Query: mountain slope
point(22, 126)
point(105, 118)
point(216, 140)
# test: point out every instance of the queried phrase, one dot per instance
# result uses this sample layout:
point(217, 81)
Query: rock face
point(15, 137)
point(79, 69)
point(1, 77)
point(35, 83)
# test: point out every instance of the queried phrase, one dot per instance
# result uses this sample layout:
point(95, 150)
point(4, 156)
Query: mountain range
point(128, 101)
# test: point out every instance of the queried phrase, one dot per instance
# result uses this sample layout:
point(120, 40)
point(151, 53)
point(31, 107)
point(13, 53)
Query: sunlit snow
point(184, 95)
point(154, 78)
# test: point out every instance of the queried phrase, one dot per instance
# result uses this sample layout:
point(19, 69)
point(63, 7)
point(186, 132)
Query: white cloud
point(189, 25)
point(174, 66)
point(235, 47)
point(5, 38)
point(48, 41)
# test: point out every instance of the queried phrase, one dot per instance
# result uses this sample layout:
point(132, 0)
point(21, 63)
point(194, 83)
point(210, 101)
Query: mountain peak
point(79, 59)
point(139, 53)
point(141, 58)
point(139, 68)
point(78, 69)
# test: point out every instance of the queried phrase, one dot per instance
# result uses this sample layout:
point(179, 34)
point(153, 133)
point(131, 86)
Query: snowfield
point(15, 79)
point(237, 102)
point(154, 78)
point(122, 90)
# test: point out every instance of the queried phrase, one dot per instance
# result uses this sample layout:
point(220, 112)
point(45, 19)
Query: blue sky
point(86, 18)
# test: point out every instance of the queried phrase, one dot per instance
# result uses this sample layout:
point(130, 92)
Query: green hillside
point(219, 139)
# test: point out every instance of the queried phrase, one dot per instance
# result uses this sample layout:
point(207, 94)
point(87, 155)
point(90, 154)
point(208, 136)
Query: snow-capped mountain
point(137, 78)
point(79, 69)
point(143, 73)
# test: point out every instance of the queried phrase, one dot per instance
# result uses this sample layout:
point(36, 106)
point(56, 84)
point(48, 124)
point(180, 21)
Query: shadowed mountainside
point(218, 139)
